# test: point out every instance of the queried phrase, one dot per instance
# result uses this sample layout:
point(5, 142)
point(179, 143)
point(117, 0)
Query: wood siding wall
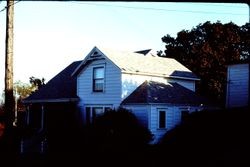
point(149, 117)
point(131, 81)
point(173, 117)
point(141, 112)
point(112, 85)
point(190, 84)
point(237, 85)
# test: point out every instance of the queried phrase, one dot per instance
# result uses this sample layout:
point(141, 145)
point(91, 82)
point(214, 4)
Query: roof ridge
point(136, 63)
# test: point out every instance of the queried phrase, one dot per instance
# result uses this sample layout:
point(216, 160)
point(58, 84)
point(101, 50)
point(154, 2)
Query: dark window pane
point(98, 73)
point(107, 109)
point(96, 111)
point(98, 85)
point(162, 119)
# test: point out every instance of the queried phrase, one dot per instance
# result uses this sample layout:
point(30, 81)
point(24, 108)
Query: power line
point(221, 5)
point(7, 6)
point(155, 9)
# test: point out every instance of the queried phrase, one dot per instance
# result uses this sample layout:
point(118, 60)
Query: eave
point(60, 100)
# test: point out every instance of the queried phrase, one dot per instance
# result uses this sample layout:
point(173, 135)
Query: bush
point(208, 137)
point(118, 130)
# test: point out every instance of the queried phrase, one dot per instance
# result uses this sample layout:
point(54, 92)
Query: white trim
point(158, 118)
point(159, 75)
point(84, 61)
point(88, 57)
point(101, 65)
point(149, 116)
point(186, 78)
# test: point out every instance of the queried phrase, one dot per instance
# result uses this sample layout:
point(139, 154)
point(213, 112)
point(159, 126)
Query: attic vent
point(95, 54)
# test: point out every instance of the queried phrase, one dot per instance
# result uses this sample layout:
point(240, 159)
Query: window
point(98, 79)
point(162, 119)
point(95, 111)
point(106, 109)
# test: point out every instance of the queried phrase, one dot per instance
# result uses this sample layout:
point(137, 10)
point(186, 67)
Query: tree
point(36, 82)
point(21, 91)
point(206, 50)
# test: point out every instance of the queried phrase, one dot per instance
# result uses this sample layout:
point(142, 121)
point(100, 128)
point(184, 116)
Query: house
point(50, 109)
point(157, 90)
point(237, 85)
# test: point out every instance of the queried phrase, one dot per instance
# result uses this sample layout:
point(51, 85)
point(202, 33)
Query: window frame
point(98, 79)
point(90, 112)
point(159, 123)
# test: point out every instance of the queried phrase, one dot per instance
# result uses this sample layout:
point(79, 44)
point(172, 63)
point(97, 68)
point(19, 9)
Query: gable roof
point(61, 88)
point(151, 92)
point(136, 63)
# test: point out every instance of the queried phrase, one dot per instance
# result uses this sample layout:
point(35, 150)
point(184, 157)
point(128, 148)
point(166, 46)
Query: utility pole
point(9, 96)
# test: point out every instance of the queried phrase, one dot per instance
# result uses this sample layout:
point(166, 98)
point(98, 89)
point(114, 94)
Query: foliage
point(23, 90)
point(209, 137)
point(36, 82)
point(118, 130)
point(206, 50)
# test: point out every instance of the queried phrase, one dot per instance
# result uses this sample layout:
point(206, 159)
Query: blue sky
point(48, 36)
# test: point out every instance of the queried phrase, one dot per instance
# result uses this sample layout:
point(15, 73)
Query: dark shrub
point(208, 138)
point(118, 130)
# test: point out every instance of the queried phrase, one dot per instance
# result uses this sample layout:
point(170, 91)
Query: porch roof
point(61, 88)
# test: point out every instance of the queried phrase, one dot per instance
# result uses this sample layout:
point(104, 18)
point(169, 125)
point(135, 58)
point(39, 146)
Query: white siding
point(141, 112)
point(173, 117)
point(112, 85)
point(148, 115)
point(190, 84)
point(237, 85)
point(131, 81)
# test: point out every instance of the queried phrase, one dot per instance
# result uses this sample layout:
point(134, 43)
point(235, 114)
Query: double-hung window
point(98, 79)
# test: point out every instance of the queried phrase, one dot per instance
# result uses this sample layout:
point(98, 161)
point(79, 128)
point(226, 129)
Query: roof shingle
point(170, 93)
point(61, 87)
point(149, 64)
